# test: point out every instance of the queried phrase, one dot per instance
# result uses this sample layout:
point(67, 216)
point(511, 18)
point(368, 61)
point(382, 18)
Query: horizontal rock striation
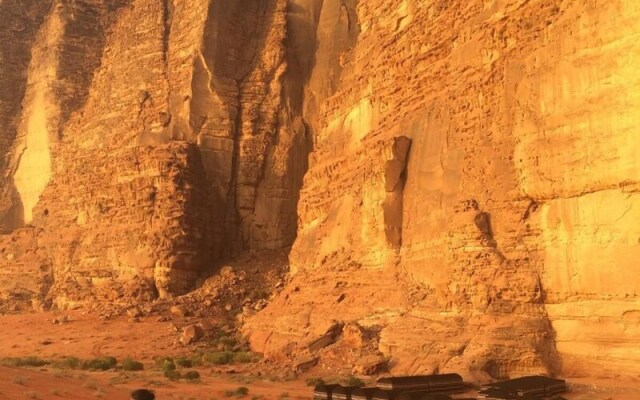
point(132, 225)
point(145, 141)
point(516, 239)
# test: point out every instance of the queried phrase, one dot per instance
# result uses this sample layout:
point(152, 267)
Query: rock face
point(471, 168)
point(507, 242)
point(142, 141)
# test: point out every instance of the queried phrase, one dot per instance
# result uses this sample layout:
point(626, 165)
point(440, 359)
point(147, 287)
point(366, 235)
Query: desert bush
point(24, 362)
point(243, 357)
point(68, 363)
point(132, 365)
point(99, 364)
point(354, 382)
point(239, 392)
point(314, 381)
point(192, 375)
point(184, 362)
point(173, 375)
point(218, 357)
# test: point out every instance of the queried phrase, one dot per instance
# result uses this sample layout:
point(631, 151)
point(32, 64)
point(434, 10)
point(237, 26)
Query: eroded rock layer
point(146, 140)
point(517, 201)
point(471, 169)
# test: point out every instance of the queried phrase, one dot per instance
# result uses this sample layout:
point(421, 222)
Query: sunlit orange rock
point(459, 179)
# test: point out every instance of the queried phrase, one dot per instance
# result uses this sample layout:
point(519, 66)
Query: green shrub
point(219, 357)
point(68, 363)
point(132, 365)
point(192, 375)
point(168, 365)
point(314, 381)
point(24, 362)
point(354, 382)
point(160, 360)
point(242, 357)
point(241, 391)
point(184, 362)
point(173, 375)
point(99, 364)
point(227, 342)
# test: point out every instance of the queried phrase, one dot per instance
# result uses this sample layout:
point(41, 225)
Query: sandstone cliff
point(469, 168)
point(504, 241)
point(143, 141)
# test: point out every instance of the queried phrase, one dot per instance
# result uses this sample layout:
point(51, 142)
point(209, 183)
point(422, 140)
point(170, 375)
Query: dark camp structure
point(380, 394)
point(421, 396)
point(363, 393)
point(438, 387)
point(525, 388)
point(426, 387)
point(342, 392)
point(323, 392)
point(428, 384)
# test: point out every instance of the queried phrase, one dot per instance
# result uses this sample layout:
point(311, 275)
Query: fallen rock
point(178, 311)
point(60, 320)
point(370, 365)
point(260, 304)
point(354, 335)
point(327, 339)
point(191, 334)
point(227, 272)
point(134, 312)
point(305, 363)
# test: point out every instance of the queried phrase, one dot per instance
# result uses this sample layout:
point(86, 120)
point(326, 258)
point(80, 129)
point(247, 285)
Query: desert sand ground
point(85, 336)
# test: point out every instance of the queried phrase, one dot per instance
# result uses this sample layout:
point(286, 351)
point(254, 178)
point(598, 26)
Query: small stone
point(228, 307)
point(227, 272)
point(134, 312)
point(260, 305)
point(178, 311)
point(370, 365)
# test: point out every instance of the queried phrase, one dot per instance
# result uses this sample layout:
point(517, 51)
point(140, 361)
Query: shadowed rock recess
point(457, 179)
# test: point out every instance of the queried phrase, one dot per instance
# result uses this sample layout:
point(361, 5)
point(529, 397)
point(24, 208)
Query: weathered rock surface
point(516, 206)
point(142, 142)
point(471, 167)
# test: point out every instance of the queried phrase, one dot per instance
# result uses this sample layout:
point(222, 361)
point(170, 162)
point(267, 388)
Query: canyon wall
point(504, 241)
point(143, 142)
point(456, 177)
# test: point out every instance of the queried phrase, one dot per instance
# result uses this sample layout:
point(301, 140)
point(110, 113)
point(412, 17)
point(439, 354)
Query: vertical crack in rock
point(395, 175)
point(232, 218)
